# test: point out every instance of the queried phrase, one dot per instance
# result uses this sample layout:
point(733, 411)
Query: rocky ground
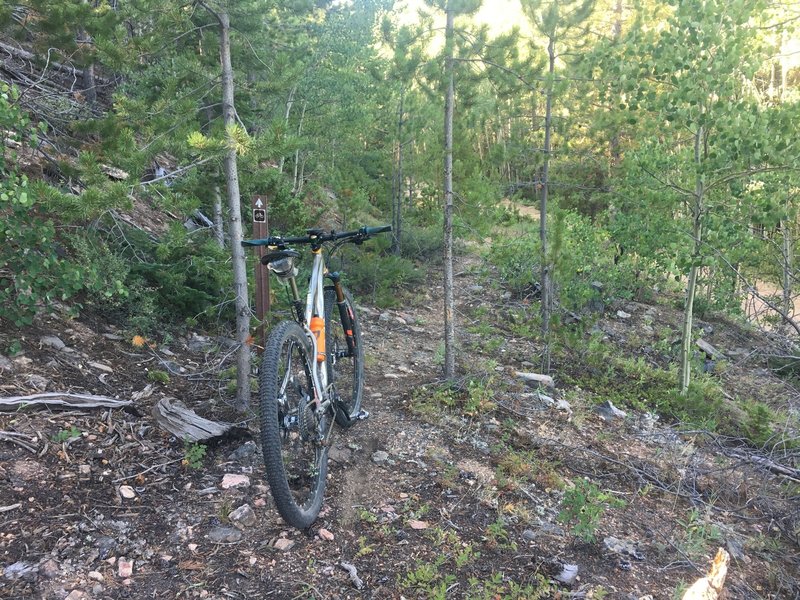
point(437, 495)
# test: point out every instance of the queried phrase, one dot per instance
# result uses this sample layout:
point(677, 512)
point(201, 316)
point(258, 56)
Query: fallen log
point(62, 399)
point(185, 424)
point(536, 379)
point(709, 350)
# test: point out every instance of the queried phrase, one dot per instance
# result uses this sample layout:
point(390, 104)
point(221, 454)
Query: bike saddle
point(278, 255)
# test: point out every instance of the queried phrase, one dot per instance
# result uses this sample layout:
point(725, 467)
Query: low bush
point(583, 255)
point(376, 276)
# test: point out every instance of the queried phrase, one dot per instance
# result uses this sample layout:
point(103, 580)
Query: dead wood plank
point(185, 424)
point(710, 587)
point(535, 379)
point(710, 351)
point(61, 399)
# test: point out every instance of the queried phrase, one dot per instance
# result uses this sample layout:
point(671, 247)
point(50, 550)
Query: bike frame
point(315, 306)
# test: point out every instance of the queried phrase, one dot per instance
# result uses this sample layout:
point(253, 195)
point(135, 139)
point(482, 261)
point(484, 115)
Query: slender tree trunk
point(616, 32)
point(235, 222)
point(89, 87)
point(397, 192)
point(449, 303)
point(297, 185)
point(301, 179)
point(219, 223)
point(547, 285)
point(691, 285)
point(219, 227)
point(289, 103)
point(788, 269)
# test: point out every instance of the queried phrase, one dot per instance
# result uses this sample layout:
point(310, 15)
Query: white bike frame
point(315, 306)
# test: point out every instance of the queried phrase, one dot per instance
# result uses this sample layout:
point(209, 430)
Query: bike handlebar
point(317, 236)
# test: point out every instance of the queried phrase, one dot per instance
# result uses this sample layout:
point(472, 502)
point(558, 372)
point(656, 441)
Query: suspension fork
point(345, 313)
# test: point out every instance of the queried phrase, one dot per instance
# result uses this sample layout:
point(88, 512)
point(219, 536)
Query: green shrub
point(374, 275)
point(582, 253)
point(31, 270)
point(422, 243)
point(583, 506)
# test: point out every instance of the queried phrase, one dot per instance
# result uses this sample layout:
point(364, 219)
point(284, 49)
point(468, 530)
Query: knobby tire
point(296, 461)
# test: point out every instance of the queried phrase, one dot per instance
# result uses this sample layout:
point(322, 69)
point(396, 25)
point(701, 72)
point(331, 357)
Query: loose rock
point(125, 567)
point(224, 535)
point(621, 314)
point(233, 480)
point(568, 575)
point(244, 452)
point(52, 341)
point(380, 457)
point(326, 535)
point(243, 516)
point(49, 569)
point(127, 492)
point(609, 412)
point(284, 544)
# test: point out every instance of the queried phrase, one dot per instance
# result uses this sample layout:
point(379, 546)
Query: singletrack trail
point(426, 498)
point(75, 532)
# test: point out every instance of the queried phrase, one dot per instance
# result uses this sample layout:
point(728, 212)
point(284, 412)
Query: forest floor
point(435, 495)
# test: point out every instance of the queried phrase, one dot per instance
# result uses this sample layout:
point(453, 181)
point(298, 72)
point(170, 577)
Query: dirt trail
point(416, 507)
point(67, 530)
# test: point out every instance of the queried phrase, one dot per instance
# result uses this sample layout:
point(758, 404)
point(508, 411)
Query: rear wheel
point(345, 356)
point(291, 431)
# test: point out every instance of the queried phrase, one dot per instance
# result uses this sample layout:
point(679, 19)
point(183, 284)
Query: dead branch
point(17, 438)
point(771, 466)
point(61, 399)
point(29, 56)
point(185, 424)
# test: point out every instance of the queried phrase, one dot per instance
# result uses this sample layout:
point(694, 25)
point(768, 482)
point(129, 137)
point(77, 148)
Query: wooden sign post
point(259, 205)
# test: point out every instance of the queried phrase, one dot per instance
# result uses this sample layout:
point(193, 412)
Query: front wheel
point(291, 430)
point(345, 356)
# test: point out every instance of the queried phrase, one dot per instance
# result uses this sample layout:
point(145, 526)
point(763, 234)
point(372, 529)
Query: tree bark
point(788, 269)
point(691, 285)
point(297, 184)
point(289, 103)
point(89, 88)
point(449, 303)
point(235, 221)
point(547, 285)
point(397, 191)
point(219, 231)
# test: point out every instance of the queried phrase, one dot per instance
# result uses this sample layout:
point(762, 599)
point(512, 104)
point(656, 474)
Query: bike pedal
point(362, 415)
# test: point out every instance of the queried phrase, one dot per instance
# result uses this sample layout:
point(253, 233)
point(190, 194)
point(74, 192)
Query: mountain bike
point(311, 375)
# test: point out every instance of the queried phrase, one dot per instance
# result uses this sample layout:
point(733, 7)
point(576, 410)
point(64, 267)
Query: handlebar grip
point(376, 230)
point(252, 243)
